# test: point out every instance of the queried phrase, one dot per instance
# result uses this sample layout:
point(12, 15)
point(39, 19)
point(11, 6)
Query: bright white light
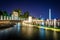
point(4, 17)
point(15, 13)
point(30, 19)
point(7, 17)
point(54, 23)
point(18, 27)
point(42, 21)
point(47, 19)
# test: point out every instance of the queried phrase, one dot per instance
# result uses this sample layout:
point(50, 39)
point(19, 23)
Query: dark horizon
point(35, 7)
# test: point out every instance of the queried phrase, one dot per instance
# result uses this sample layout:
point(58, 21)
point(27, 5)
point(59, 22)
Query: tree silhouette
point(1, 13)
point(26, 14)
point(5, 13)
point(19, 11)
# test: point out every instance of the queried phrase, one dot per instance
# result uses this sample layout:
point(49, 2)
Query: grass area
point(53, 27)
point(50, 28)
point(47, 26)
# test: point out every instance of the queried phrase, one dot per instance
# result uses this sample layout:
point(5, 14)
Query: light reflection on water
point(55, 35)
point(27, 31)
point(42, 34)
point(18, 26)
point(18, 32)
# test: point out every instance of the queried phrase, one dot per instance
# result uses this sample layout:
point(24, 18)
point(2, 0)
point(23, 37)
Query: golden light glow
point(30, 19)
point(15, 13)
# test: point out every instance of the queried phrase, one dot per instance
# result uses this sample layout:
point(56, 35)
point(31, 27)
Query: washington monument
point(49, 14)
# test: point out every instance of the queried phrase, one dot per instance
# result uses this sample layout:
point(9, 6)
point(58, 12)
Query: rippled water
point(19, 32)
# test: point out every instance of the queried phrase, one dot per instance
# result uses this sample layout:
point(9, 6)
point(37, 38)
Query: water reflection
point(10, 33)
point(18, 26)
point(55, 35)
point(49, 35)
point(52, 35)
point(42, 34)
point(28, 33)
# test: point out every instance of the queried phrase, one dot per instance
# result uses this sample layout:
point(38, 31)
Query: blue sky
point(35, 7)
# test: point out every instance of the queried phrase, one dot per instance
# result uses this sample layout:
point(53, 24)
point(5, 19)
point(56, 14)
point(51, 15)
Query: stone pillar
point(1, 17)
point(12, 17)
point(54, 23)
point(50, 23)
point(30, 19)
point(58, 23)
point(47, 22)
point(7, 18)
point(42, 22)
point(4, 17)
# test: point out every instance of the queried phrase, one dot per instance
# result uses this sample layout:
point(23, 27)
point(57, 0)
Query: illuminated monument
point(49, 17)
point(50, 22)
point(49, 14)
point(15, 15)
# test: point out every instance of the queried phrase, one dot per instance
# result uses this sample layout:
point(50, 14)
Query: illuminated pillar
point(30, 19)
point(47, 22)
point(42, 22)
point(1, 17)
point(58, 23)
point(54, 23)
point(16, 18)
point(7, 18)
point(4, 17)
point(10, 18)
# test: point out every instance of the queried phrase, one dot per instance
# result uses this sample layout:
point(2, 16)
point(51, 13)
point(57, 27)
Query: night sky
point(35, 7)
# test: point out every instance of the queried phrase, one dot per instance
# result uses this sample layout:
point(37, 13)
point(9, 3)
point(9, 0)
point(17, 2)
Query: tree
point(19, 11)
point(1, 13)
point(21, 16)
point(5, 13)
point(26, 14)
